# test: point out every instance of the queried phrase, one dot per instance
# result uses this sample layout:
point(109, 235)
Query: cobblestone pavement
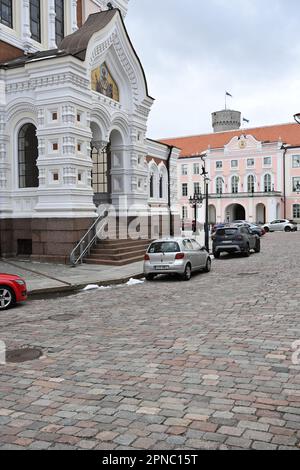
point(205, 364)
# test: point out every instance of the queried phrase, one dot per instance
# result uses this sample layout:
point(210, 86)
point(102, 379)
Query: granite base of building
point(52, 240)
point(44, 240)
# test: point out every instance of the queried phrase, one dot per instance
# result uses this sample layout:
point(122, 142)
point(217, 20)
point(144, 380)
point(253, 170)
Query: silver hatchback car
point(175, 256)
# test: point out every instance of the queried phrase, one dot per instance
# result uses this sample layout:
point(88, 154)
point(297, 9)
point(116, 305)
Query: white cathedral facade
point(74, 106)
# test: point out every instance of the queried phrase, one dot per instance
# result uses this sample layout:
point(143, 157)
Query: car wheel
point(216, 254)
point(267, 230)
point(187, 273)
point(247, 252)
point(257, 247)
point(149, 277)
point(287, 229)
point(208, 265)
point(7, 298)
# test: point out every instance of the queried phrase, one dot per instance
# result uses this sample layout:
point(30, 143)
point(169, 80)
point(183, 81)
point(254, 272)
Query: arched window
point(152, 186)
point(235, 184)
point(163, 181)
point(27, 157)
point(101, 158)
point(268, 183)
point(251, 184)
point(59, 21)
point(154, 180)
point(219, 185)
point(161, 187)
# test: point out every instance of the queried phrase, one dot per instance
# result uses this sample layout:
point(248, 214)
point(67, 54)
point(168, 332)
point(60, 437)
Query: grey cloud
point(249, 45)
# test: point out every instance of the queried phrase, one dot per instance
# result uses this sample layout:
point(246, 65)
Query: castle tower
point(226, 120)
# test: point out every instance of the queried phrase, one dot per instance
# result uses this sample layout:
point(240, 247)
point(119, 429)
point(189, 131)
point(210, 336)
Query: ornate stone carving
point(68, 145)
point(42, 176)
point(54, 80)
point(3, 178)
point(99, 144)
point(69, 175)
point(41, 116)
point(51, 25)
point(68, 115)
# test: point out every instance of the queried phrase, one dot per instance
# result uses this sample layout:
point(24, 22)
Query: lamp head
point(297, 118)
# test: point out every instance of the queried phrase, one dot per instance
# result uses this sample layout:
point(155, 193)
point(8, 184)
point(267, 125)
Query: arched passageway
point(235, 212)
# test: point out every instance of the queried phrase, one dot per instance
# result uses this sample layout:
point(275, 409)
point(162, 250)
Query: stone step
point(108, 262)
point(118, 251)
point(119, 256)
point(121, 243)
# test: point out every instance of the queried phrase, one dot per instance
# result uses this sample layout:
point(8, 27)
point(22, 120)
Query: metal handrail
point(87, 242)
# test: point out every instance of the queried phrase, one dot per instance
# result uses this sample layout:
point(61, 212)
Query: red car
point(12, 290)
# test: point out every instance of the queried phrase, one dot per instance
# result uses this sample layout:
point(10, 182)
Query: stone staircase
point(118, 252)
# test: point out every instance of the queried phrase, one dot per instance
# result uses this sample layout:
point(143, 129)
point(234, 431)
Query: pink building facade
point(253, 174)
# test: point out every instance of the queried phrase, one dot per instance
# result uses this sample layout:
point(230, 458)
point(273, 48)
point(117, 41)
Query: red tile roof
point(191, 145)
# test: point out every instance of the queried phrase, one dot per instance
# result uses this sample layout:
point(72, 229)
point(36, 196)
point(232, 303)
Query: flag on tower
point(228, 94)
point(246, 120)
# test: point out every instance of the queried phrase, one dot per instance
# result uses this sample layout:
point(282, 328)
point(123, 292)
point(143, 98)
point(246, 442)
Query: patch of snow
point(134, 282)
point(91, 287)
point(131, 282)
point(95, 287)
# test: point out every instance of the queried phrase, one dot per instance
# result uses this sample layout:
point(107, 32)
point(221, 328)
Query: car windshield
point(226, 231)
point(164, 247)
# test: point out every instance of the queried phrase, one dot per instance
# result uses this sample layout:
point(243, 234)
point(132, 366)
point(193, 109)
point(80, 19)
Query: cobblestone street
point(205, 364)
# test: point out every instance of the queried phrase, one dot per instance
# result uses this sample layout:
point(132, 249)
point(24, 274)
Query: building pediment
point(104, 45)
point(243, 142)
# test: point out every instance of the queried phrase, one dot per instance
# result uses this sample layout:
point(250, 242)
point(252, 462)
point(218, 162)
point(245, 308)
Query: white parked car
point(176, 256)
point(281, 225)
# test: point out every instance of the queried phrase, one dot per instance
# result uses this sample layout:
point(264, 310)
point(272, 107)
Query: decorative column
point(73, 15)
point(64, 162)
point(26, 32)
point(51, 25)
point(4, 163)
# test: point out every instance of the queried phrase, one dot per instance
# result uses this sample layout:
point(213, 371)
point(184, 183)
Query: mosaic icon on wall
point(103, 83)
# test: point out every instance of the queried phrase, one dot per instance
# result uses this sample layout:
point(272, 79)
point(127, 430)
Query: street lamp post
point(206, 181)
point(195, 202)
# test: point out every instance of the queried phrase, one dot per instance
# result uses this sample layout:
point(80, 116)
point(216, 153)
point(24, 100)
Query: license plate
point(227, 241)
point(160, 268)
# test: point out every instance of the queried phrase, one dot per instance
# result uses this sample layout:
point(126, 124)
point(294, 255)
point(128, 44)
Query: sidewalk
point(43, 278)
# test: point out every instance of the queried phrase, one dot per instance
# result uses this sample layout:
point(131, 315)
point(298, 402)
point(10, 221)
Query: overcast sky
point(194, 50)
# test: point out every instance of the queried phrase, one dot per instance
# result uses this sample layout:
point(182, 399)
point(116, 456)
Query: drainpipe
point(171, 147)
point(284, 178)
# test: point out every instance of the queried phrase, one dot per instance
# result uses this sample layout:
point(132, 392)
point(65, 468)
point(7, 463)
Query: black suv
point(235, 239)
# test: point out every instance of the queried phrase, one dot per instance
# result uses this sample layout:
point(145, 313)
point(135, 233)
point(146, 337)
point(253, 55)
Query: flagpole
point(225, 100)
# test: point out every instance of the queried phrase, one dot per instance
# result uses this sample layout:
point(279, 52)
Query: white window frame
point(183, 168)
point(294, 159)
point(197, 183)
point(196, 166)
point(250, 166)
point(297, 216)
point(219, 178)
point(234, 167)
point(264, 183)
point(248, 178)
point(294, 190)
point(238, 184)
point(267, 165)
point(184, 212)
